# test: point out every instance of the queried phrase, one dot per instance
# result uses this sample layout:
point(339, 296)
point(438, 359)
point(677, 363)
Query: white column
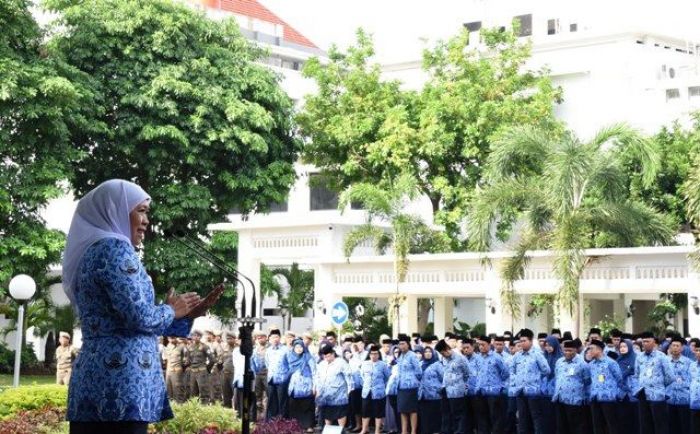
point(408, 315)
point(249, 266)
point(494, 313)
point(568, 320)
point(443, 314)
point(629, 317)
point(694, 304)
point(324, 298)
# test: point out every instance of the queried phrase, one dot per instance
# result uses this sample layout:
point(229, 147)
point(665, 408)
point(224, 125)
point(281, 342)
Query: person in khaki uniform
point(186, 342)
point(65, 355)
point(175, 355)
point(199, 361)
point(215, 377)
point(227, 369)
point(260, 370)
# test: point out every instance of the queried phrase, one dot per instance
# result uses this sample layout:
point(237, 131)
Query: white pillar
point(249, 266)
point(408, 316)
point(443, 314)
point(568, 320)
point(694, 304)
point(494, 313)
point(629, 316)
point(324, 298)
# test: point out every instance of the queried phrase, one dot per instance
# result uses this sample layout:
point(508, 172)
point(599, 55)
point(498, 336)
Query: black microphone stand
point(245, 331)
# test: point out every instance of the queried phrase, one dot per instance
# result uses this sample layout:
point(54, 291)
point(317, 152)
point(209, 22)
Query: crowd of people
point(551, 383)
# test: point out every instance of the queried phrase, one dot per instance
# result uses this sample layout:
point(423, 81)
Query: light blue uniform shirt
point(333, 382)
point(431, 382)
point(392, 384)
point(409, 371)
point(301, 382)
point(455, 375)
point(606, 380)
point(375, 376)
point(492, 376)
point(695, 385)
point(678, 391)
point(474, 363)
point(528, 370)
point(654, 373)
point(257, 363)
point(273, 361)
point(571, 380)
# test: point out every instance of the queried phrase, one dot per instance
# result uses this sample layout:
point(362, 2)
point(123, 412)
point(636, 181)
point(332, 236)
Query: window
point(356, 205)
point(272, 312)
point(552, 27)
point(525, 22)
point(279, 206)
point(694, 92)
point(672, 94)
point(573, 27)
point(474, 26)
point(322, 197)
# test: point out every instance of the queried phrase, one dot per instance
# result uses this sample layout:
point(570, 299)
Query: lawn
point(26, 380)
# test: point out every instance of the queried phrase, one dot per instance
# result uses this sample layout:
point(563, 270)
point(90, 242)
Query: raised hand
point(207, 302)
point(182, 304)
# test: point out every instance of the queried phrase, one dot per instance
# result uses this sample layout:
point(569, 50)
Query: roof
point(252, 8)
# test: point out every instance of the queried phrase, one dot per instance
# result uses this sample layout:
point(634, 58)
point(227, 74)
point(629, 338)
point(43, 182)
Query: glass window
point(552, 27)
point(272, 312)
point(573, 27)
point(474, 26)
point(694, 91)
point(672, 94)
point(322, 197)
point(279, 206)
point(525, 24)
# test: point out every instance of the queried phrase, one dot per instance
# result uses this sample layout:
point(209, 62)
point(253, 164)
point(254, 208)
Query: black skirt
point(333, 412)
point(374, 408)
point(303, 410)
point(429, 414)
point(108, 427)
point(355, 403)
point(407, 401)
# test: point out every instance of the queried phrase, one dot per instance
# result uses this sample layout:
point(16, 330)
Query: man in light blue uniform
point(277, 380)
point(474, 363)
point(490, 389)
point(678, 392)
point(695, 392)
point(606, 382)
point(454, 383)
point(527, 372)
point(654, 373)
point(571, 377)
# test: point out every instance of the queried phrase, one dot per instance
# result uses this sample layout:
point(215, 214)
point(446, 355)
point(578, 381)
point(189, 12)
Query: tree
point(567, 195)
point(441, 134)
point(40, 101)
point(189, 116)
point(677, 148)
point(402, 235)
point(299, 295)
point(373, 319)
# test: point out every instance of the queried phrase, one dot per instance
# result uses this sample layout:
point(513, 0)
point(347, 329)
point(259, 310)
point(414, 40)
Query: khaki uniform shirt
point(199, 357)
point(64, 357)
point(175, 357)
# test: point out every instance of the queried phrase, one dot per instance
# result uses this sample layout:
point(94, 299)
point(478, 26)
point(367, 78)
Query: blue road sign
point(339, 313)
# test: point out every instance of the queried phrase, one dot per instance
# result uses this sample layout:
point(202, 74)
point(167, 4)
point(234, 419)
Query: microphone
point(201, 250)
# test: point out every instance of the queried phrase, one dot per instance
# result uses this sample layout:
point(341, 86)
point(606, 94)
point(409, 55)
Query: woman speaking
point(117, 383)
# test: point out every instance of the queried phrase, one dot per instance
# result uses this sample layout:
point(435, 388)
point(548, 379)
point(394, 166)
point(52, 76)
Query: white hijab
point(101, 213)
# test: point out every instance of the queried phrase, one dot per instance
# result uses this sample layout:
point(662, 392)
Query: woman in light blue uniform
point(429, 393)
point(302, 367)
point(629, 411)
point(393, 420)
point(375, 375)
point(332, 384)
point(552, 353)
point(355, 399)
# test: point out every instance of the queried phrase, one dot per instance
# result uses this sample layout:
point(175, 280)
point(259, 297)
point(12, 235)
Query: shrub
point(44, 421)
point(278, 426)
point(17, 399)
point(7, 358)
point(193, 417)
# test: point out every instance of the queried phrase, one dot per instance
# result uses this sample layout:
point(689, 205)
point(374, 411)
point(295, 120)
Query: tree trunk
point(425, 305)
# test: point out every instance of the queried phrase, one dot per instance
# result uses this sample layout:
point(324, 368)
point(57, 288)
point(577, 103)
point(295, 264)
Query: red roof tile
point(252, 8)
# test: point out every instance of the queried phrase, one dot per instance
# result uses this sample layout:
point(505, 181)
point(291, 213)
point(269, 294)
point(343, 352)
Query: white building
point(617, 66)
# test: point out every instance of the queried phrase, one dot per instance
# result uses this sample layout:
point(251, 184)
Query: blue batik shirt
point(571, 380)
point(695, 385)
point(257, 362)
point(606, 380)
point(333, 382)
point(375, 376)
point(431, 382)
point(654, 373)
point(301, 382)
point(492, 376)
point(474, 363)
point(528, 370)
point(355, 366)
point(455, 375)
point(392, 384)
point(276, 374)
point(409, 371)
point(678, 391)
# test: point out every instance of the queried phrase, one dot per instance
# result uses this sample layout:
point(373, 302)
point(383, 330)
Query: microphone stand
point(247, 323)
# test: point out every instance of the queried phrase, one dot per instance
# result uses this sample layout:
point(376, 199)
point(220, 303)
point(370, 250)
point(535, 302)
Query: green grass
point(26, 380)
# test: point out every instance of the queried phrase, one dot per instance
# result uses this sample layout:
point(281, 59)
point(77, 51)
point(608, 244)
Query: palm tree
point(299, 297)
point(387, 205)
point(566, 195)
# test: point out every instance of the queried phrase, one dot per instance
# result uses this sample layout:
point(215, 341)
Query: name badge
point(571, 372)
point(650, 372)
point(679, 379)
point(601, 378)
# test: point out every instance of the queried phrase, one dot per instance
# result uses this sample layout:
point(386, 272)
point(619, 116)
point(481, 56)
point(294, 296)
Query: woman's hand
point(207, 302)
point(182, 304)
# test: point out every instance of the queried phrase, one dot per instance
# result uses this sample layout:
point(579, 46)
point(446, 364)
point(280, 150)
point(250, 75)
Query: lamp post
point(22, 288)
